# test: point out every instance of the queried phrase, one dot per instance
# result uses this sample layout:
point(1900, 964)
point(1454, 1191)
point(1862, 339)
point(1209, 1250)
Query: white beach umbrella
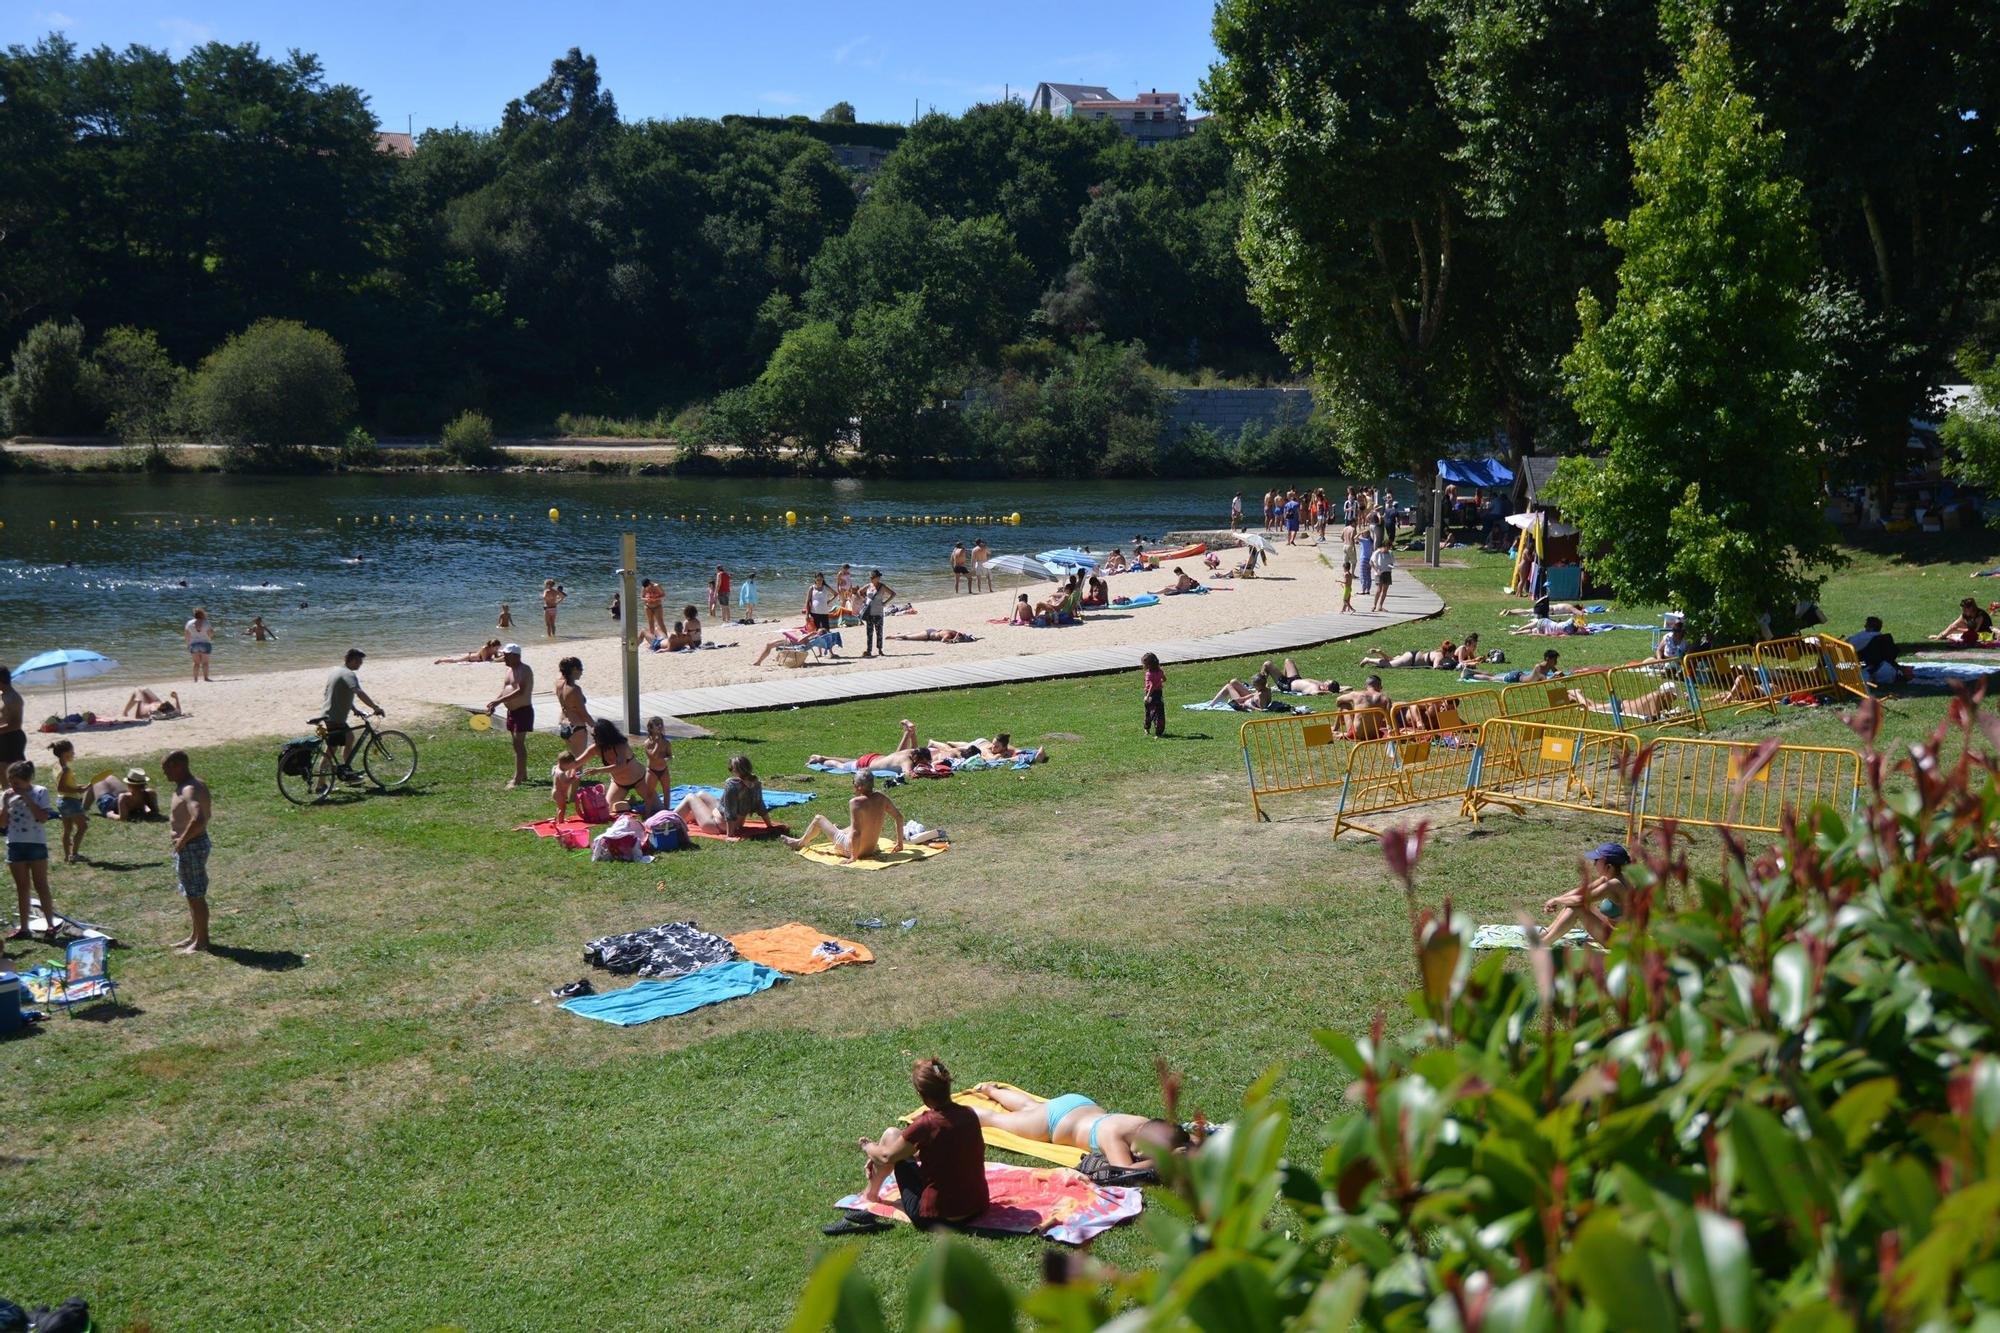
point(1022, 564)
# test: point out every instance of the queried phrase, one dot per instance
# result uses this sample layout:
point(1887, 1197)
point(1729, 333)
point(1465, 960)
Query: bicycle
point(309, 769)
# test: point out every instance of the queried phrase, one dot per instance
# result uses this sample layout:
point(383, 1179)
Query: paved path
point(1408, 600)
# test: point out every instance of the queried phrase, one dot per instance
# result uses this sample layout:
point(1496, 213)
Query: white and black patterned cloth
point(663, 952)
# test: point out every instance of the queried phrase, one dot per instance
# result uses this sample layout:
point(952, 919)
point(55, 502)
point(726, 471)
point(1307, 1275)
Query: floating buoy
point(554, 515)
point(1015, 519)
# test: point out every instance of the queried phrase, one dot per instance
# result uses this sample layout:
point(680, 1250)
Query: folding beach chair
point(85, 977)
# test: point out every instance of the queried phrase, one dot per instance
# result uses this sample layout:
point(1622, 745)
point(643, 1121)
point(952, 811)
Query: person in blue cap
point(1599, 904)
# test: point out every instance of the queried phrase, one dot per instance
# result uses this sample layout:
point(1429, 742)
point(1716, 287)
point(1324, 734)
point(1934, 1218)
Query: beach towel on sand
point(1051, 1201)
point(1060, 1154)
point(1516, 937)
point(644, 1001)
point(824, 853)
point(798, 949)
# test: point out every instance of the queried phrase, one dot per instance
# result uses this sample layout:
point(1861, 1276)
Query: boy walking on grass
point(1156, 696)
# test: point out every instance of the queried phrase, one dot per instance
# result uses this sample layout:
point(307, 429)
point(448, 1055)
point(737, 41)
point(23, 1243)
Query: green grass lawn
point(365, 1110)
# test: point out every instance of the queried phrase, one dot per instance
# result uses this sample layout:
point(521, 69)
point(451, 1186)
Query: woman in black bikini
point(620, 763)
point(659, 755)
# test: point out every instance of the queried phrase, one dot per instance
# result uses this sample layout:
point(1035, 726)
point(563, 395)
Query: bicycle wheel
point(390, 759)
point(312, 786)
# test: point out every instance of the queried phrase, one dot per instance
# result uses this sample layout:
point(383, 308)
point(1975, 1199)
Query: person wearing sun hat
point(518, 696)
point(1599, 903)
point(137, 801)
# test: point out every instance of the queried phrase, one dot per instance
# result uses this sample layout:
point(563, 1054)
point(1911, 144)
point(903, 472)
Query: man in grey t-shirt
point(343, 687)
point(875, 598)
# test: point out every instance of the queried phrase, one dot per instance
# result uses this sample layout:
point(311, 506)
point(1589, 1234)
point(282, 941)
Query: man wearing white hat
point(518, 696)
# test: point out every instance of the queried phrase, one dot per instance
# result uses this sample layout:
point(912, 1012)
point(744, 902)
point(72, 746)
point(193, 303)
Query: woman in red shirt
point(938, 1159)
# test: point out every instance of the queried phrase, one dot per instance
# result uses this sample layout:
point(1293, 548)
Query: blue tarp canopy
point(1488, 473)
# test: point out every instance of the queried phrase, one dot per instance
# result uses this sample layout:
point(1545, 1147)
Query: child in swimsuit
point(659, 755)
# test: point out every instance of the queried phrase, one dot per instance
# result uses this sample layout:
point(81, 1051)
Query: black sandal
point(856, 1223)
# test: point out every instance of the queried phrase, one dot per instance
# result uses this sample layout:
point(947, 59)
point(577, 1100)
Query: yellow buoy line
point(790, 519)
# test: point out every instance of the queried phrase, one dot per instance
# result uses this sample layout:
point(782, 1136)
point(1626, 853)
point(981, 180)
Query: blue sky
point(457, 62)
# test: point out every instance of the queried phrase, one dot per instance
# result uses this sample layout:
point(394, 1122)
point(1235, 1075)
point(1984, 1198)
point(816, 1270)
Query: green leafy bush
point(52, 387)
point(138, 386)
point(359, 449)
point(1773, 1106)
point(468, 440)
point(274, 391)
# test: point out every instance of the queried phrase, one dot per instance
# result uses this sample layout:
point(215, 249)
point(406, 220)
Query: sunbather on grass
point(1444, 655)
point(1365, 707)
point(742, 796)
point(997, 750)
point(1254, 697)
point(906, 756)
point(1599, 903)
point(867, 815)
point(1290, 681)
point(1648, 707)
point(1075, 1121)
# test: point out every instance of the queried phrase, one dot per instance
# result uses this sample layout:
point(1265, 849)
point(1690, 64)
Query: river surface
point(421, 563)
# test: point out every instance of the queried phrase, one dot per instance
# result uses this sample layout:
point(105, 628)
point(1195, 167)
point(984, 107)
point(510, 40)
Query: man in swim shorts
point(906, 756)
point(517, 696)
point(13, 738)
point(867, 815)
point(1075, 1121)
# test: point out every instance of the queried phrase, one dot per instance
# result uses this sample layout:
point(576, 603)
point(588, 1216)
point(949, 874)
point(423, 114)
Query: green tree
point(807, 392)
point(840, 113)
point(51, 388)
point(468, 439)
point(898, 355)
point(1971, 430)
point(1699, 383)
point(274, 389)
point(138, 385)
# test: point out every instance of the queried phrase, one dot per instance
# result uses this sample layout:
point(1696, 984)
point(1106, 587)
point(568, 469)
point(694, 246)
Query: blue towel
point(889, 773)
point(644, 1001)
point(1952, 670)
point(1599, 629)
point(773, 800)
point(1143, 599)
point(1213, 706)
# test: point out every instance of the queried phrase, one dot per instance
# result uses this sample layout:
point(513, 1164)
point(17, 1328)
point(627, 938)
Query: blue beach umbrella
point(1070, 556)
point(63, 665)
point(1022, 564)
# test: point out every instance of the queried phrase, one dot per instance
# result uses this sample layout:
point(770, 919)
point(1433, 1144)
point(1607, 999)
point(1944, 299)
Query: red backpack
point(591, 807)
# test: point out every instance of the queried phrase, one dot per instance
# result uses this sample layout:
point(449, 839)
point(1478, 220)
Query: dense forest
point(1402, 201)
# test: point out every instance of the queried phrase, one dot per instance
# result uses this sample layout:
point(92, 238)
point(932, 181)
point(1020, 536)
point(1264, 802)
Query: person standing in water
point(553, 594)
point(200, 636)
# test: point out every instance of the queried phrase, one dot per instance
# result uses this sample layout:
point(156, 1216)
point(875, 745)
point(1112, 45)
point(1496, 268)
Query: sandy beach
point(239, 704)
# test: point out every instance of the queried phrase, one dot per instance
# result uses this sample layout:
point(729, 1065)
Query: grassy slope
point(366, 1112)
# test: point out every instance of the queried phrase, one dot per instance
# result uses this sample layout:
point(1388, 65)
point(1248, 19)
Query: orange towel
point(794, 948)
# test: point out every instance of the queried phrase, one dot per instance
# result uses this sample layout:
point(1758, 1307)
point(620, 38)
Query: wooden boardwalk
point(1408, 600)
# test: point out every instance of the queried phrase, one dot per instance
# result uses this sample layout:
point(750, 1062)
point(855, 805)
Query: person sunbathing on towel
point(938, 1159)
point(867, 815)
point(1444, 655)
point(1115, 562)
point(486, 652)
point(1075, 1121)
point(906, 756)
point(1599, 903)
point(997, 750)
point(1252, 698)
point(1182, 583)
point(1744, 687)
point(1544, 609)
point(937, 636)
point(1541, 625)
point(1246, 570)
point(1367, 707)
point(146, 705)
point(742, 797)
point(1542, 670)
point(1291, 682)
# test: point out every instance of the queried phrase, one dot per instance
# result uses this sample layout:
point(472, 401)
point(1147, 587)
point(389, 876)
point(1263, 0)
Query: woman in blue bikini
point(1073, 1120)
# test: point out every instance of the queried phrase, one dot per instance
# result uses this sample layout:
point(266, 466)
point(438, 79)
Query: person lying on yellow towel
point(1075, 1121)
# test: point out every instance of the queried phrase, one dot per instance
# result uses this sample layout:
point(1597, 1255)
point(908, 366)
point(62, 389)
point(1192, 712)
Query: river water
point(406, 564)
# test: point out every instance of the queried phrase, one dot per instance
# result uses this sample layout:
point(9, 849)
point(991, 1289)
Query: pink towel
point(1053, 1201)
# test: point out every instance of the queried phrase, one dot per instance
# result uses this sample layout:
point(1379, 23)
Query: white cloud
point(183, 33)
point(861, 52)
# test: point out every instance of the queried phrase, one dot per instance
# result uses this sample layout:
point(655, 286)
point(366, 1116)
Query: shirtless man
point(259, 631)
point(906, 756)
point(574, 727)
point(13, 738)
point(867, 815)
point(999, 748)
point(1291, 682)
point(517, 695)
point(188, 826)
point(981, 553)
point(1364, 725)
point(960, 570)
point(553, 594)
point(1541, 670)
point(1182, 583)
point(1075, 1121)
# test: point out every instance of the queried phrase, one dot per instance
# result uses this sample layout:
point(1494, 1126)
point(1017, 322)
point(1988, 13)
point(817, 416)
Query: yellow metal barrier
point(1713, 783)
point(1813, 664)
point(1303, 752)
point(1449, 712)
point(1523, 763)
point(1726, 679)
point(1652, 695)
point(1415, 768)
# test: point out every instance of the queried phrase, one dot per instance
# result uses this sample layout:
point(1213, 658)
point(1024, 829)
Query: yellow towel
point(824, 853)
point(1060, 1154)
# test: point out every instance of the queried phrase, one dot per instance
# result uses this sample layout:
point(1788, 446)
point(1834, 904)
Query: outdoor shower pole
point(628, 569)
point(1434, 543)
